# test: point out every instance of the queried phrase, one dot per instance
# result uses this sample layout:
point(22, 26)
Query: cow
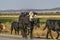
point(27, 20)
point(23, 23)
point(52, 25)
point(15, 26)
point(33, 22)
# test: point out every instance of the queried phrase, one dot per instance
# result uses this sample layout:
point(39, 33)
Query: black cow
point(15, 26)
point(52, 25)
point(25, 23)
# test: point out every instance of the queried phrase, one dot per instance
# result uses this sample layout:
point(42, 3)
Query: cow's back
point(52, 24)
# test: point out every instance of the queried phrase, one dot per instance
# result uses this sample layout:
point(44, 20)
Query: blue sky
point(28, 4)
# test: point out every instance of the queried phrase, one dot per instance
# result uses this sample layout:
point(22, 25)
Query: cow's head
point(31, 15)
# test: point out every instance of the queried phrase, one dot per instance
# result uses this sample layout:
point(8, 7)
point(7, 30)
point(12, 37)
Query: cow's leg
point(18, 32)
point(25, 32)
point(22, 33)
point(47, 34)
point(11, 29)
point(57, 35)
point(31, 31)
point(51, 34)
point(28, 31)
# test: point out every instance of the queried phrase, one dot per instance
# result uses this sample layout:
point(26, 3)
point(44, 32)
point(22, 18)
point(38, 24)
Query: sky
point(28, 4)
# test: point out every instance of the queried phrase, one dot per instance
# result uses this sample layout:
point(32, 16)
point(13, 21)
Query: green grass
point(8, 19)
point(11, 19)
point(42, 21)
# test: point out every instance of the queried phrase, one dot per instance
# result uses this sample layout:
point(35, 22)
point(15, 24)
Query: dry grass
point(38, 32)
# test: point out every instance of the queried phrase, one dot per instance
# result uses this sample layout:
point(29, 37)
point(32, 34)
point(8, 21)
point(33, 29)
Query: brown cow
point(1, 27)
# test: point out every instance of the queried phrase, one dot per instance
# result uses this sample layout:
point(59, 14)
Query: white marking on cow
point(31, 15)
